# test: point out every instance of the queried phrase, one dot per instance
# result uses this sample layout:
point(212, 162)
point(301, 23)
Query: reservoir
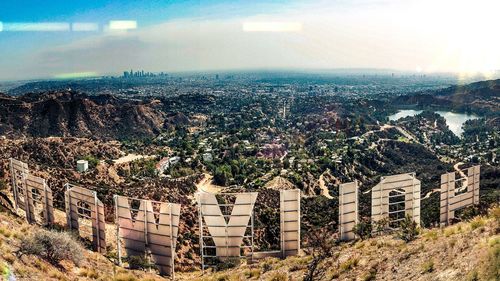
point(453, 120)
point(404, 113)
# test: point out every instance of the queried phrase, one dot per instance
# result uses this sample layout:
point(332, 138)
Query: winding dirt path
point(322, 186)
point(131, 157)
point(465, 181)
point(205, 185)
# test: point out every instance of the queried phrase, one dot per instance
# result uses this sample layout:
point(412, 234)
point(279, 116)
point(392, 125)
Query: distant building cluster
point(141, 74)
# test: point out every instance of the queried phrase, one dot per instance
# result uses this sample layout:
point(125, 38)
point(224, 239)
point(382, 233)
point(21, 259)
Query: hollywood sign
point(224, 225)
point(225, 220)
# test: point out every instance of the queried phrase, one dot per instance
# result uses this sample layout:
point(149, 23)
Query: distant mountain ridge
point(482, 97)
point(69, 113)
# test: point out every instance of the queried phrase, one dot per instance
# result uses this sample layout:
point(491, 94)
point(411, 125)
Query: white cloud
point(371, 34)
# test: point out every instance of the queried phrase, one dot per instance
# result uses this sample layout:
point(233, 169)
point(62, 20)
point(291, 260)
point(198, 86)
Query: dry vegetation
point(467, 250)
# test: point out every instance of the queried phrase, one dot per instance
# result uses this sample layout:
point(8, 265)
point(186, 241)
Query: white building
point(174, 160)
point(207, 157)
point(82, 166)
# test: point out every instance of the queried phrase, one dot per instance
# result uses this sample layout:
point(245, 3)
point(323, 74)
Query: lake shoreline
point(454, 121)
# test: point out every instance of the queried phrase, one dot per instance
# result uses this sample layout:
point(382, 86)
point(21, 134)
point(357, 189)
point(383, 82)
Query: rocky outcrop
point(73, 114)
point(480, 97)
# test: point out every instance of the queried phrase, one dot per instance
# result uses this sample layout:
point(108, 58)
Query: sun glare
point(470, 37)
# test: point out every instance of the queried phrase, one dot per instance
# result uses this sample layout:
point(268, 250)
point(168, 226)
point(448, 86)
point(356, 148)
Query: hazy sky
point(43, 39)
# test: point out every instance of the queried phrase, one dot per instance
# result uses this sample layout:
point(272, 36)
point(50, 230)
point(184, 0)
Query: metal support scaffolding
point(19, 171)
point(31, 194)
point(454, 198)
point(225, 225)
point(76, 201)
point(151, 232)
point(405, 186)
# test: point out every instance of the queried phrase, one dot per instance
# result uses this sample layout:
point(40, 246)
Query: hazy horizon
point(273, 71)
point(107, 37)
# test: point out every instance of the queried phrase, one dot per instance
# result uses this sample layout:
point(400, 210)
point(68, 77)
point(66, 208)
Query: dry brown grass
point(88, 272)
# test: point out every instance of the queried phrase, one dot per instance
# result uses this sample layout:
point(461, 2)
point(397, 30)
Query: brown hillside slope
point(465, 251)
point(27, 267)
point(73, 114)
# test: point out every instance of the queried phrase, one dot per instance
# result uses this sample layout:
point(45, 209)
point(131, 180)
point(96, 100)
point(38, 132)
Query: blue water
point(404, 113)
point(454, 120)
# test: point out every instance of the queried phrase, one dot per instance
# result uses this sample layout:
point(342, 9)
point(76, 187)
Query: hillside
point(93, 266)
point(464, 251)
point(68, 113)
point(483, 97)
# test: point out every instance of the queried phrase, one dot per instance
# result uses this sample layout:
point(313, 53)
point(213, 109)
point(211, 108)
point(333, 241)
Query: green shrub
point(477, 222)
point(5, 232)
point(349, 264)
point(363, 229)
point(495, 240)
point(495, 213)
point(278, 276)
point(490, 264)
point(408, 230)
point(252, 273)
point(52, 246)
point(450, 231)
point(3, 185)
point(93, 161)
point(4, 271)
point(320, 247)
point(381, 225)
point(227, 264)
point(371, 275)
point(267, 265)
point(138, 262)
point(431, 234)
point(467, 213)
point(427, 266)
point(472, 276)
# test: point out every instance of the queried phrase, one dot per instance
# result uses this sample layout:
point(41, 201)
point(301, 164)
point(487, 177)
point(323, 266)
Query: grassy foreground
point(464, 251)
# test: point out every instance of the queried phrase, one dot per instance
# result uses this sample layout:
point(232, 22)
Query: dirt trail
point(131, 157)
point(323, 187)
point(205, 185)
point(430, 193)
point(465, 181)
point(387, 126)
